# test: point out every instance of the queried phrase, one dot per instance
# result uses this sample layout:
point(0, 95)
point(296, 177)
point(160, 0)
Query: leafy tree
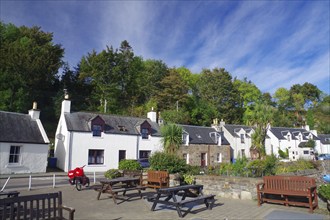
point(171, 137)
point(29, 63)
point(216, 87)
point(150, 82)
point(282, 97)
point(173, 92)
point(322, 116)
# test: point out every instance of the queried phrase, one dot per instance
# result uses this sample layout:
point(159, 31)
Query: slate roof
point(324, 138)
point(232, 129)
point(201, 135)
point(19, 128)
point(281, 132)
point(80, 122)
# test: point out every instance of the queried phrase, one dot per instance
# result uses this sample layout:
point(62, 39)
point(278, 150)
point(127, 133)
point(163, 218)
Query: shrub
point(189, 179)
point(256, 168)
point(291, 167)
point(324, 191)
point(112, 173)
point(170, 162)
point(129, 165)
point(193, 170)
point(283, 154)
point(225, 168)
point(239, 167)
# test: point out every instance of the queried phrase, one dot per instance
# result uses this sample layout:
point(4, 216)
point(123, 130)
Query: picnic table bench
point(170, 197)
point(38, 206)
point(120, 184)
point(157, 179)
point(288, 190)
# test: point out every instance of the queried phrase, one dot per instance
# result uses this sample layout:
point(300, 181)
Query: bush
point(283, 154)
point(225, 168)
point(129, 165)
point(256, 168)
point(291, 167)
point(324, 191)
point(112, 173)
point(239, 167)
point(171, 163)
point(193, 170)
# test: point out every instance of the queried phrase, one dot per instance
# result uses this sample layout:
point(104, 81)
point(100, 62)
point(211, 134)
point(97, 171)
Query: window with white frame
point(14, 154)
point(219, 157)
point(242, 138)
point(306, 151)
point(95, 157)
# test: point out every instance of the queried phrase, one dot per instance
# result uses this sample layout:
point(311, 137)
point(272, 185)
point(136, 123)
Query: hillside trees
point(216, 87)
point(29, 62)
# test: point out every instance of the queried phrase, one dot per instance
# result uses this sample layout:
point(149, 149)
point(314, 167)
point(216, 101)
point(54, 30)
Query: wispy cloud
point(272, 43)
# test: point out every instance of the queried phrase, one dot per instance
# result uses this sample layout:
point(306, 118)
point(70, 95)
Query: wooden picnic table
point(185, 190)
point(120, 184)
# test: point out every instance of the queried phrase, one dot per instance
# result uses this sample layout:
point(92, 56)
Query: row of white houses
point(100, 141)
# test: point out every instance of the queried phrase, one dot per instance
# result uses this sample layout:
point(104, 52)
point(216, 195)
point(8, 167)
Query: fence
point(41, 181)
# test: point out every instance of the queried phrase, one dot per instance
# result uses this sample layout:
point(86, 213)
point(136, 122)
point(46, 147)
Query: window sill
point(96, 165)
point(13, 165)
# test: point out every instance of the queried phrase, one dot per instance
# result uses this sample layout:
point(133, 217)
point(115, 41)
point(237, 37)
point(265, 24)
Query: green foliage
point(171, 137)
point(189, 179)
point(236, 169)
point(170, 162)
point(193, 170)
point(112, 173)
point(310, 143)
point(291, 167)
point(129, 165)
point(283, 154)
point(324, 191)
point(224, 98)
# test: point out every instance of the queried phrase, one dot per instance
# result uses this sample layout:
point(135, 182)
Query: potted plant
point(189, 179)
point(324, 193)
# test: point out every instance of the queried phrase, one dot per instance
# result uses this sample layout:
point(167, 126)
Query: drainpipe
point(137, 146)
point(70, 151)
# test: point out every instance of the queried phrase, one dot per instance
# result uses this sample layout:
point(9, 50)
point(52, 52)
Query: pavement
point(88, 207)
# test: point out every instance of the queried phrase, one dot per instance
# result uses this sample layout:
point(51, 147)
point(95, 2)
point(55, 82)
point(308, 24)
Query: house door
point(122, 155)
point(203, 159)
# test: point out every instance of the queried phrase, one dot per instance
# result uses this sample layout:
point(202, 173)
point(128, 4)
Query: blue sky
point(272, 43)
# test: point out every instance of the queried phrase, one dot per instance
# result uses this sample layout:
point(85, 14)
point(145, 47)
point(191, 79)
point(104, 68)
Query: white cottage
point(292, 139)
point(100, 141)
point(23, 143)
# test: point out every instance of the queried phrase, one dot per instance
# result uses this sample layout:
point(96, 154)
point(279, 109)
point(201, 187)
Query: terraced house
point(100, 141)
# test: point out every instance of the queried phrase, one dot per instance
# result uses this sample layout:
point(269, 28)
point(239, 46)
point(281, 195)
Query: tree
point(249, 96)
point(173, 92)
point(216, 87)
point(171, 137)
point(29, 62)
point(260, 118)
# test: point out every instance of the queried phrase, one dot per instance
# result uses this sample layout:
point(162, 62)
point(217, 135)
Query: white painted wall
point(33, 158)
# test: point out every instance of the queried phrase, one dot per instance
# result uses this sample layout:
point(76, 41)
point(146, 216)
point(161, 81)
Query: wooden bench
point(39, 206)
point(288, 190)
point(157, 179)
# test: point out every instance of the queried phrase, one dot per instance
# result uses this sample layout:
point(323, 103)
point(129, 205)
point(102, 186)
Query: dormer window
point(97, 125)
point(97, 130)
point(145, 133)
point(185, 138)
point(145, 130)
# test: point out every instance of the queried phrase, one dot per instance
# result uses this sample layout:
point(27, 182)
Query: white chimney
point(34, 112)
point(66, 103)
point(152, 115)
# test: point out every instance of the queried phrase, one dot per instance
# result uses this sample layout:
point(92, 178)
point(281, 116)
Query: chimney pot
point(34, 106)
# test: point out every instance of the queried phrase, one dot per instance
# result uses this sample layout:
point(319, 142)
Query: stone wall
point(194, 151)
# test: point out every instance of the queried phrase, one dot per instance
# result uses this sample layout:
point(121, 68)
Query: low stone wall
point(229, 187)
